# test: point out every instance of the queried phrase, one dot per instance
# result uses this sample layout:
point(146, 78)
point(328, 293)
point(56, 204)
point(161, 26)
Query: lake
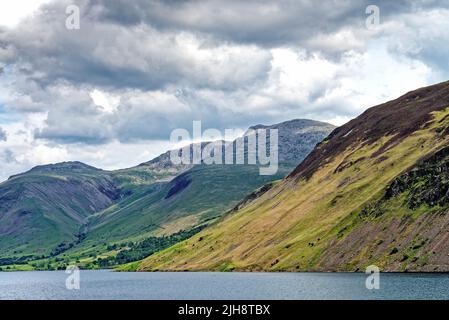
point(104, 284)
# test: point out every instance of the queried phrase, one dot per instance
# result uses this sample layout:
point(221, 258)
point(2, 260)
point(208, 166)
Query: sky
point(110, 92)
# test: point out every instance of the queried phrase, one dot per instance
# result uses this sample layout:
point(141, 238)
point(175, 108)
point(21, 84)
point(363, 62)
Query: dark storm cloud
point(266, 23)
point(135, 44)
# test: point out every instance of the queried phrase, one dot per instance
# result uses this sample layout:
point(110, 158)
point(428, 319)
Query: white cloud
point(12, 12)
point(21, 151)
point(106, 101)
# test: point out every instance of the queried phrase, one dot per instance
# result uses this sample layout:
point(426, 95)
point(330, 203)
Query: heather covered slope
point(374, 192)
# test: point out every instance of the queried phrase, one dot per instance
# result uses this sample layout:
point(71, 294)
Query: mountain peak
point(297, 138)
point(67, 166)
point(294, 123)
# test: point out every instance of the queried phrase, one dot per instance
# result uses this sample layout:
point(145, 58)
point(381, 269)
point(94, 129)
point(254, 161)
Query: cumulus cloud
point(117, 56)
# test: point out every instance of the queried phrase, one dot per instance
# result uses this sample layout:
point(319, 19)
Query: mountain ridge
point(163, 157)
point(405, 116)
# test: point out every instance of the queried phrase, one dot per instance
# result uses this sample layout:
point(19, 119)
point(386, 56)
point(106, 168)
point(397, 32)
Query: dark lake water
point(104, 284)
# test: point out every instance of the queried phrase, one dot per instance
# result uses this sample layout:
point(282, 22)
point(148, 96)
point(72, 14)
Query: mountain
point(197, 196)
point(34, 209)
point(73, 210)
point(376, 191)
point(297, 138)
point(47, 208)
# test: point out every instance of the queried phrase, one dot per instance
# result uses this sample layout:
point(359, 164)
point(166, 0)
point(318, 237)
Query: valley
point(71, 213)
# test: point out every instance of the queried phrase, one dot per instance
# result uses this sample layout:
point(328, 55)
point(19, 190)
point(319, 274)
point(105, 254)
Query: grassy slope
point(212, 191)
point(295, 225)
point(25, 230)
point(405, 229)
